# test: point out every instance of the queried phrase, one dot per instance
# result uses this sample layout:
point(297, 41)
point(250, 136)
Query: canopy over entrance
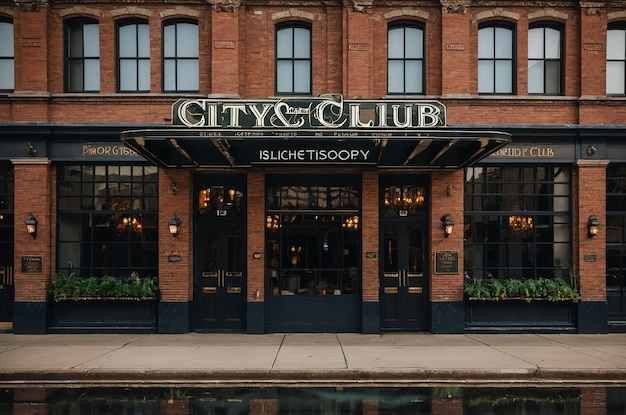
point(318, 131)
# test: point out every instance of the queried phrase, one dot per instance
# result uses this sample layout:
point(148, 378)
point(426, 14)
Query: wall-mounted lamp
point(174, 225)
point(32, 150)
point(448, 225)
point(592, 226)
point(174, 188)
point(31, 225)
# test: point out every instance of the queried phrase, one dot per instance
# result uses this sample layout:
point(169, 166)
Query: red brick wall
point(447, 197)
point(175, 278)
point(589, 194)
point(256, 235)
point(370, 235)
point(32, 178)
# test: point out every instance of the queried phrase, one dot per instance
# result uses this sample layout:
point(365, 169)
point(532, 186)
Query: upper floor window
point(7, 55)
point(616, 59)
point(405, 59)
point(133, 51)
point(82, 56)
point(496, 59)
point(293, 59)
point(544, 59)
point(180, 56)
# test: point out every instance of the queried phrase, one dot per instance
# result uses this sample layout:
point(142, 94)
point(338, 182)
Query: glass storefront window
point(517, 222)
point(616, 241)
point(404, 200)
point(107, 220)
point(313, 238)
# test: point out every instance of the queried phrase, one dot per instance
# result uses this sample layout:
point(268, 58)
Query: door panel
point(219, 300)
point(403, 293)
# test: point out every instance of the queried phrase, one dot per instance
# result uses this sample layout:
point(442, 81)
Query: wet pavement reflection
point(505, 400)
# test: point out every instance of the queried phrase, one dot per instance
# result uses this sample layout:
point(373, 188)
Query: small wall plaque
point(370, 255)
point(446, 262)
point(173, 258)
point(32, 264)
point(591, 257)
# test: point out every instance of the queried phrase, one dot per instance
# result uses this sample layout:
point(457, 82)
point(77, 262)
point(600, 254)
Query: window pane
point(413, 77)
point(128, 75)
point(187, 75)
point(7, 76)
point(485, 77)
point(504, 43)
point(302, 77)
point(553, 77)
point(76, 41)
point(127, 41)
point(616, 44)
point(187, 40)
point(6, 34)
point(615, 77)
point(503, 77)
point(553, 43)
point(144, 75)
point(76, 75)
point(169, 75)
point(535, 43)
point(414, 43)
point(395, 77)
point(144, 40)
point(395, 47)
point(92, 41)
point(302, 44)
point(535, 77)
point(485, 43)
point(92, 75)
point(169, 41)
point(284, 43)
point(284, 77)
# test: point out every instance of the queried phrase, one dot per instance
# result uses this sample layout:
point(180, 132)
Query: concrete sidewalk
point(287, 359)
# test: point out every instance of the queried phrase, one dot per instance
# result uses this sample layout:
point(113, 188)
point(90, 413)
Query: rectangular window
point(517, 222)
point(7, 192)
point(107, 220)
point(313, 237)
point(82, 54)
point(405, 59)
point(544, 60)
point(180, 57)
point(616, 60)
point(496, 60)
point(293, 59)
point(133, 49)
point(7, 56)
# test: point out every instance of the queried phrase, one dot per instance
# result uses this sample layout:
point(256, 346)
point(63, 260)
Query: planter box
point(103, 315)
point(519, 316)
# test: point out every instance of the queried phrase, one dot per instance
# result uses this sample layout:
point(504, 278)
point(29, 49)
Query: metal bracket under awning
point(224, 148)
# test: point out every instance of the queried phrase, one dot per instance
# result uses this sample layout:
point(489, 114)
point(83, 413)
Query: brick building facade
point(503, 117)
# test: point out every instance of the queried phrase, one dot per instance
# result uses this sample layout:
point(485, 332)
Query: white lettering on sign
point(314, 113)
point(309, 155)
point(107, 150)
point(522, 152)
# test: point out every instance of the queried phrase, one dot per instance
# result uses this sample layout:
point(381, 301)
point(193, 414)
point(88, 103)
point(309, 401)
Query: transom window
point(405, 59)
point(133, 51)
point(496, 58)
point(313, 235)
point(293, 59)
point(544, 59)
point(616, 59)
point(82, 56)
point(107, 220)
point(517, 222)
point(180, 57)
point(7, 55)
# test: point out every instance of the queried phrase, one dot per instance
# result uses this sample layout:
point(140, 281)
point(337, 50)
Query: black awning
point(423, 149)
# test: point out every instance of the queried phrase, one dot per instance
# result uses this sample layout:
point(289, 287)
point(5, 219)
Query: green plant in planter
point(551, 289)
point(73, 287)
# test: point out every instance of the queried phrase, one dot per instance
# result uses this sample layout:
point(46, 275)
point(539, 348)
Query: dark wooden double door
point(403, 275)
point(220, 268)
